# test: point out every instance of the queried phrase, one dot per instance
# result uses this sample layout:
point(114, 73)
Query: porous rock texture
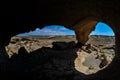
point(79, 15)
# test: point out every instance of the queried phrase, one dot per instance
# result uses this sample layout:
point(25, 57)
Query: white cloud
point(49, 30)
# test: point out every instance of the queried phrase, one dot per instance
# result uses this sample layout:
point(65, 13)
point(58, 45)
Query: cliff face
point(79, 15)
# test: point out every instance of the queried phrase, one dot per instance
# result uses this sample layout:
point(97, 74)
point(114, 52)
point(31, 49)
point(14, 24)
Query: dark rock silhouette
point(45, 63)
point(63, 45)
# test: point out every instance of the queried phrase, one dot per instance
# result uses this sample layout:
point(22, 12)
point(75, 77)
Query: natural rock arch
point(69, 13)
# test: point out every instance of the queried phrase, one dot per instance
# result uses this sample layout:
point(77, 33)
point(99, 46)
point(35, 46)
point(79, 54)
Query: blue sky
point(49, 30)
point(101, 29)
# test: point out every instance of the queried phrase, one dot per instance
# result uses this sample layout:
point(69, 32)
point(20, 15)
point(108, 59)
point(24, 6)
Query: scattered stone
point(63, 45)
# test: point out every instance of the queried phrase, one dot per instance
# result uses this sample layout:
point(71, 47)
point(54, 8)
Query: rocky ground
point(58, 58)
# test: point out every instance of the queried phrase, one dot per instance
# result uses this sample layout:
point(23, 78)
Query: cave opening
point(98, 51)
point(96, 54)
point(39, 38)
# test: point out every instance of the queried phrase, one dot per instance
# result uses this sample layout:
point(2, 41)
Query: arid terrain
point(57, 57)
point(35, 42)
